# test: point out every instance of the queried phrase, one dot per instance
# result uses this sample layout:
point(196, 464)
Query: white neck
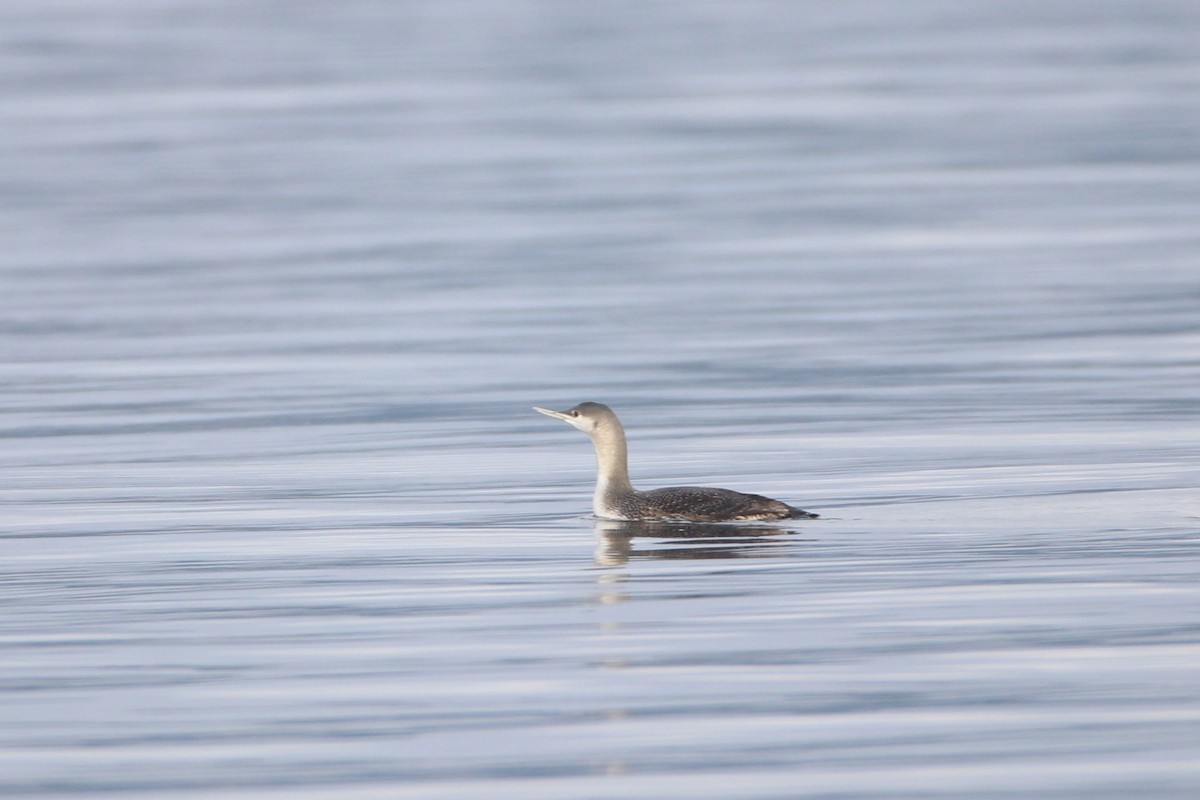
point(612, 463)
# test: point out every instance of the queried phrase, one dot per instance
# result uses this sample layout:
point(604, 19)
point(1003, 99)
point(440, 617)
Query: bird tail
point(799, 513)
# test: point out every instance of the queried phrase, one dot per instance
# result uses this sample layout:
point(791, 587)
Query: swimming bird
point(615, 497)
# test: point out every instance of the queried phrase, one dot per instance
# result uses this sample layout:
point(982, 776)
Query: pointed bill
point(563, 415)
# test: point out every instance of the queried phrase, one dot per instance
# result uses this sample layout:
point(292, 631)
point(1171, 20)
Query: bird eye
point(574, 413)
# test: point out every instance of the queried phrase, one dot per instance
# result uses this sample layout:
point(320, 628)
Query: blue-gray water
point(281, 280)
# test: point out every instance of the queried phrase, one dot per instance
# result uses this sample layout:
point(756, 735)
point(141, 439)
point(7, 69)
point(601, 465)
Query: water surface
point(280, 285)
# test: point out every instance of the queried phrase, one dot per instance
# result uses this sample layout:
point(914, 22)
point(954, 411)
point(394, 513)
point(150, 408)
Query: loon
point(615, 498)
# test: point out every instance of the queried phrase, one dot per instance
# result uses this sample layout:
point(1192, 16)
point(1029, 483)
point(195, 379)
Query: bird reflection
point(685, 540)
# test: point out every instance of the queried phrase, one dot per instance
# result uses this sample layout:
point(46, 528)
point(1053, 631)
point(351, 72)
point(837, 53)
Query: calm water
point(280, 282)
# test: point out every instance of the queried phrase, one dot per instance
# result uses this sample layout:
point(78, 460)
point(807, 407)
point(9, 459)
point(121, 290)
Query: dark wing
point(701, 503)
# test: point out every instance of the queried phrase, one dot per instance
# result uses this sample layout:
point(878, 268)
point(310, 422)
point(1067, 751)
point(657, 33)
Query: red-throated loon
point(615, 498)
